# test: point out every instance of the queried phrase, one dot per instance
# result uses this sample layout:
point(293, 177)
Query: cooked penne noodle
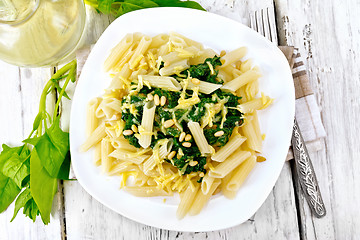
point(229, 164)
point(250, 106)
point(159, 40)
point(206, 183)
point(186, 201)
point(118, 51)
point(120, 167)
point(188, 41)
point(174, 68)
point(164, 150)
point(106, 161)
point(139, 52)
point(227, 193)
point(199, 138)
point(240, 81)
point(168, 83)
point(91, 119)
point(204, 87)
point(233, 56)
point(126, 155)
point(201, 198)
point(253, 141)
point(241, 173)
point(202, 56)
point(144, 191)
point(97, 154)
point(147, 124)
point(230, 147)
point(96, 136)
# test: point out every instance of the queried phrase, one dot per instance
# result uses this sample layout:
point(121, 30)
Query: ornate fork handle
point(306, 174)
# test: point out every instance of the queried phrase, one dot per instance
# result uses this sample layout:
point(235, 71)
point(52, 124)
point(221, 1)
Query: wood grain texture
point(277, 218)
point(19, 98)
point(328, 36)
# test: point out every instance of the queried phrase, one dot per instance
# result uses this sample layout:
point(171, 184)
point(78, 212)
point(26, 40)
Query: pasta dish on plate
point(177, 118)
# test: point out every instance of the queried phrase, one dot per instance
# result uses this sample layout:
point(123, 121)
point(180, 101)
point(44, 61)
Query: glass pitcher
point(39, 32)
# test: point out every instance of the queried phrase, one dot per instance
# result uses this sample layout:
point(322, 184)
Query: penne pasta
point(229, 164)
point(186, 201)
point(201, 198)
point(230, 147)
point(174, 68)
point(204, 87)
point(241, 173)
point(199, 138)
point(139, 52)
point(147, 124)
point(240, 81)
point(168, 83)
point(118, 51)
point(233, 56)
point(91, 119)
point(96, 136)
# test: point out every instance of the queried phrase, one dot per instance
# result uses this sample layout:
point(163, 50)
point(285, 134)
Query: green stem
point(49, 84)
point(68, 78)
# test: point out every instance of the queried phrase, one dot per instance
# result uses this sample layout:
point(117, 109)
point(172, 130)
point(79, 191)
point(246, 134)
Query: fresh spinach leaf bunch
point(30, 172)
point(120, 7)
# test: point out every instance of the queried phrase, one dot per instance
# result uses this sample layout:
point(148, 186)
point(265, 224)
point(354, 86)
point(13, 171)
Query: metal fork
point(263, 21)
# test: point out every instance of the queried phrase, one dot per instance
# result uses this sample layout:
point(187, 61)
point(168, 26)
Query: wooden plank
point(277, 218)
point(19, 101)
point(328, 37)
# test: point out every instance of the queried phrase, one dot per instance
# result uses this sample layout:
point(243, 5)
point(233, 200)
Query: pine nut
point(168, 123)
point(162, 100)
point(150, 97)
point(195, 81)
point(182, 136)
point(127, 132)
point(156, 100)
point(187, 137)
point(186, 144)
point(201, 174)
point(222, 53)
point(134, 128)
point(193, 163)
point(171, 155)
point(178, 156)
point(219, 133)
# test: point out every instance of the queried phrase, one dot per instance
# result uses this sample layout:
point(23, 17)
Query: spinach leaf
point(105, 6)
point(17, 167)
point(8, 188)
point(178, 3)
point(120, 7)
point(52, 147)
point(202, 71)
point(43, 186)
point(26, 201)
point(132, 5)
point(8, 192)
point(65, 168)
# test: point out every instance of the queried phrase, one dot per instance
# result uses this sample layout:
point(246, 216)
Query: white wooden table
point(328, 35)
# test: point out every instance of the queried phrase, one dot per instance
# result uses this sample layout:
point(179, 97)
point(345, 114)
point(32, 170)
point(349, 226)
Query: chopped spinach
point(202, 71)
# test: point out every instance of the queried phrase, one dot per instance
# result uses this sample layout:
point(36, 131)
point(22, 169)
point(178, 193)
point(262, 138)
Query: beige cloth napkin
point(306, 109)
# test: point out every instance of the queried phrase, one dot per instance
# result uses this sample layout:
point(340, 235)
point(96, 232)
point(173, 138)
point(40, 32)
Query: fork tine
point(259, 22)
point(272, 25)
point(265, 22)
point(253, 21)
